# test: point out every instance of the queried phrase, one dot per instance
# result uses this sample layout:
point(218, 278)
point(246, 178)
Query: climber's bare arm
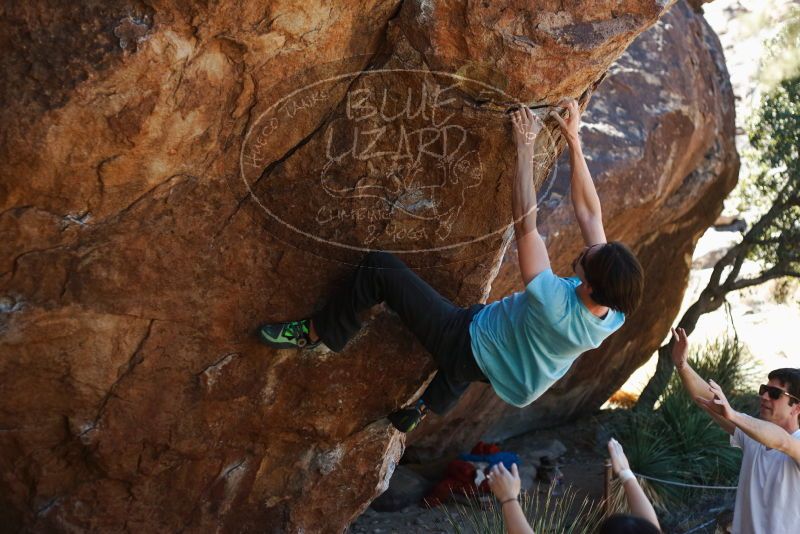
point(531, 249)
point(585, 201)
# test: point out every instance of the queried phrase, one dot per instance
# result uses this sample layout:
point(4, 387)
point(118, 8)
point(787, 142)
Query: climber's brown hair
point(616, 277)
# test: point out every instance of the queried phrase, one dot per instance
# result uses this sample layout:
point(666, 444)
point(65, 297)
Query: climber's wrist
point(525, 151)
point(574, 141)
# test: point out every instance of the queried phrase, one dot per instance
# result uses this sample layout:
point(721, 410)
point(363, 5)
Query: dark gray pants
point(441, 326)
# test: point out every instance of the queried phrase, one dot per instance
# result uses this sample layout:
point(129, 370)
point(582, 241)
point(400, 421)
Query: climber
point(520, 344)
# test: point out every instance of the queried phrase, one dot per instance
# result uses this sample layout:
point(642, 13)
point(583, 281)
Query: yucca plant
point(651, 451)
point(548, 513)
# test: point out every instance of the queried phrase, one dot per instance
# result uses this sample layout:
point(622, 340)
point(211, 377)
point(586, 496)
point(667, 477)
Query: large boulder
point(175, 174)
point(659, 140)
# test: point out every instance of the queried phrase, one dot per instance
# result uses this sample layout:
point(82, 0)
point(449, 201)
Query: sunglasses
point(775, 392)
point(581, 258)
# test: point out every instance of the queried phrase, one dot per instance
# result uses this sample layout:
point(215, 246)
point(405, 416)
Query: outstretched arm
point(637, 501)
point(585, 201)
point(695, 386)
point(531, 249)
point(505, 485)
point(768, 434)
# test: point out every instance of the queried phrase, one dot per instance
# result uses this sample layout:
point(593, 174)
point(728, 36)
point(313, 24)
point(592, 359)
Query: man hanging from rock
point(521, 344)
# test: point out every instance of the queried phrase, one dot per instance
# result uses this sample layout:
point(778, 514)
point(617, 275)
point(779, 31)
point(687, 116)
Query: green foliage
point(562, 514)
point(780, 61)
point(775, 138)
point(678, 441)
point(651, 451)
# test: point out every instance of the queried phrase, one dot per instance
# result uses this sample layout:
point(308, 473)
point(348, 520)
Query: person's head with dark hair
point(614, 276)
point(627, 524)
point(780, 398)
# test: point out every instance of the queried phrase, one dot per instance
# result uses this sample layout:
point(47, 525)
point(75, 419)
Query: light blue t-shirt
point(525, 342)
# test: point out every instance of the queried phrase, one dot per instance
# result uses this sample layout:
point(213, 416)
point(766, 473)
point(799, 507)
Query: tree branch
point(767, 275)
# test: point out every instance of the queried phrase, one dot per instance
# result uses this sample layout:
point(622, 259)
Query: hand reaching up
point(572, 124)
point(619, 462)
point(526, 127)
point(504, 484)
point(638, 502)
point(680, 348)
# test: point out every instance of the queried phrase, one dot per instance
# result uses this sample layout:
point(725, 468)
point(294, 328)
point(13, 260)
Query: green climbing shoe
point(407, 419)
point(288, 335)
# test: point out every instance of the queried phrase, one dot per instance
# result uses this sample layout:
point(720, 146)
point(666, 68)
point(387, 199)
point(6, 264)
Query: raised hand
point(504, 484)
point(619, 461)
point(719, 404)
point(637, 501)
point(680, 347)
point(526, 127)
point(572, 124)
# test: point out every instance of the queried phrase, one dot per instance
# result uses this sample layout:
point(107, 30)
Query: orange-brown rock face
point(658, 136)
point(173, 176)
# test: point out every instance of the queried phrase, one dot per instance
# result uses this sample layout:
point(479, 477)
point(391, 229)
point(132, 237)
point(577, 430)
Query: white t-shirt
point(768, 497)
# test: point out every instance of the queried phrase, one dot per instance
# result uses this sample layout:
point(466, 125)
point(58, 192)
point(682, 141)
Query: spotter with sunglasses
point(768, 495)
